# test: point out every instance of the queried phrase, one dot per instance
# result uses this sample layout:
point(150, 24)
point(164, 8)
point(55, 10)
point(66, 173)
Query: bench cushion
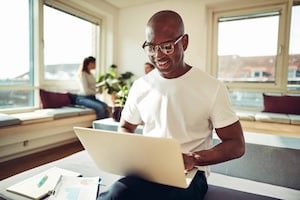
point(32, 117)
point(8, 120)
point(272, 117)
point(295, 119)
point(82, 110)
point(60, 112)
point(246, 115)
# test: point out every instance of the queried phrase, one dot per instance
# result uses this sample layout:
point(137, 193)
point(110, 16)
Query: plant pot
point(116, 113)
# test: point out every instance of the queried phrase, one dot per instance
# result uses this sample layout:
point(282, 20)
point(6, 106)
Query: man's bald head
point(167, 22)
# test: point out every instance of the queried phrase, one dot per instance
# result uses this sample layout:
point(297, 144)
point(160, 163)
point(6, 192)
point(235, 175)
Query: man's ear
point(185, 41)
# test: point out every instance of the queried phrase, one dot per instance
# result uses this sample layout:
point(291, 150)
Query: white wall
point(131, 30)
point(131, 33)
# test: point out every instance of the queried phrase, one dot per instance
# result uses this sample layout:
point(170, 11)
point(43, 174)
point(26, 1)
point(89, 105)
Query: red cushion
point(54, 99)
point(282, 104)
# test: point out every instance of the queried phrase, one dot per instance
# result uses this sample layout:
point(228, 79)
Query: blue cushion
point(60, 112)
point(7, 120)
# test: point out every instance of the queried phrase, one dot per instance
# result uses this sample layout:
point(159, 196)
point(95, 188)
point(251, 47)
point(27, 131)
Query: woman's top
point(87, 84)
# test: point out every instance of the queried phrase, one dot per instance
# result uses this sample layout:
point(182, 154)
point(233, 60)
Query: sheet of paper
point(70, 188)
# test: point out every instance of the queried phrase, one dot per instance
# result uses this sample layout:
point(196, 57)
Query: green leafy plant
point(122, 94)
point(116, 84)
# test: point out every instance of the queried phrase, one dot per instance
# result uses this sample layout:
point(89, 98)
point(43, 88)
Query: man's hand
point(126, 127)
point(190, 161)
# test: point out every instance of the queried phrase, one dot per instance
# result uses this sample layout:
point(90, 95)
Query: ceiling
point(129, 3)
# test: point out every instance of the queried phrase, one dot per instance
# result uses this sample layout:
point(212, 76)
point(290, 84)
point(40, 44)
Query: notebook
point(42, 184)
point(155, 159)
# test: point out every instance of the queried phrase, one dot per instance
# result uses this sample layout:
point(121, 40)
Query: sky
point(242, 41)
point(60, 33)
point(57, 33)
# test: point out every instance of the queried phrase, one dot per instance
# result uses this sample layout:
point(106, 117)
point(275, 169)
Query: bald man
point(178, 101)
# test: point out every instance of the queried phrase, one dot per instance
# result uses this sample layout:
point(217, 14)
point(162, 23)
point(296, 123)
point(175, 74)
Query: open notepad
point(42, 184)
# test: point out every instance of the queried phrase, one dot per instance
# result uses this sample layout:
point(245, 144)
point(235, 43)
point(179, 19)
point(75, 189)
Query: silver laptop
point(155, 159)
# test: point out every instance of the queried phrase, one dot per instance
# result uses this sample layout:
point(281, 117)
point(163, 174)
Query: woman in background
point(87, 92)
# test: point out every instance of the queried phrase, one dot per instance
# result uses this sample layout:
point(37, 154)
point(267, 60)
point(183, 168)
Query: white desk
point(111, 125)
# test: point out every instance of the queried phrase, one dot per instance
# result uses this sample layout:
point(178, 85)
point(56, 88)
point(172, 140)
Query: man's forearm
point(126, 127)
point(124, 130)
point(219, 153)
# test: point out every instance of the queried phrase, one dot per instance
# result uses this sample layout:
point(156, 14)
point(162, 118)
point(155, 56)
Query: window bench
point(25, 133)
point(270, 123)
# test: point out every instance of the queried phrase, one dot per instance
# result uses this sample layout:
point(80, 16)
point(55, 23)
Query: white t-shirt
point(87, 84)
point(186, 108)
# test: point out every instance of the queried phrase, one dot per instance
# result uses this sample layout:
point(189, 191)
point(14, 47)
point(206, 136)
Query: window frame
point(248, 7)
point(31, 86)
point(77, 12)
point(36, 49)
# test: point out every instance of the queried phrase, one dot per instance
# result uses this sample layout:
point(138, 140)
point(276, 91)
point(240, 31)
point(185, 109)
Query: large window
point(249, 50)
point(294, 50)
point(67, 40)
point(42, 52)
point(16, 80)
point(247, 47)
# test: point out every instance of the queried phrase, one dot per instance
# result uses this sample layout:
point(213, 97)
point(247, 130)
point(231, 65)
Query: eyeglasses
point(166, 48)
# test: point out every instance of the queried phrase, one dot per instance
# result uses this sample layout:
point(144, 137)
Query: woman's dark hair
point(86, 62)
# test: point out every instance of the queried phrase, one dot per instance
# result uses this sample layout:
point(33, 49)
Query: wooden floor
point(18, 165)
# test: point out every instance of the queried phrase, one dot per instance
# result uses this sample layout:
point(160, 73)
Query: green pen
point(42, 181)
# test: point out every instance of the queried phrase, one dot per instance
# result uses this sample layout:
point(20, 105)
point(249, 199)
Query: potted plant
point(108, 82)
point(116, 85)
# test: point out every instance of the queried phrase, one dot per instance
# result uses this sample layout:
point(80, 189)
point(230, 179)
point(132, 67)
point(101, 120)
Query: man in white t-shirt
point(178, 101)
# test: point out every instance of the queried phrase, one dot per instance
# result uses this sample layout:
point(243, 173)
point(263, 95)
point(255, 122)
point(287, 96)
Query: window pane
point(247, 47)
point(294, 51)
point(14, 40)
point(15, 68)
point(68, 39)
point(16, 98)
point(251, 100)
